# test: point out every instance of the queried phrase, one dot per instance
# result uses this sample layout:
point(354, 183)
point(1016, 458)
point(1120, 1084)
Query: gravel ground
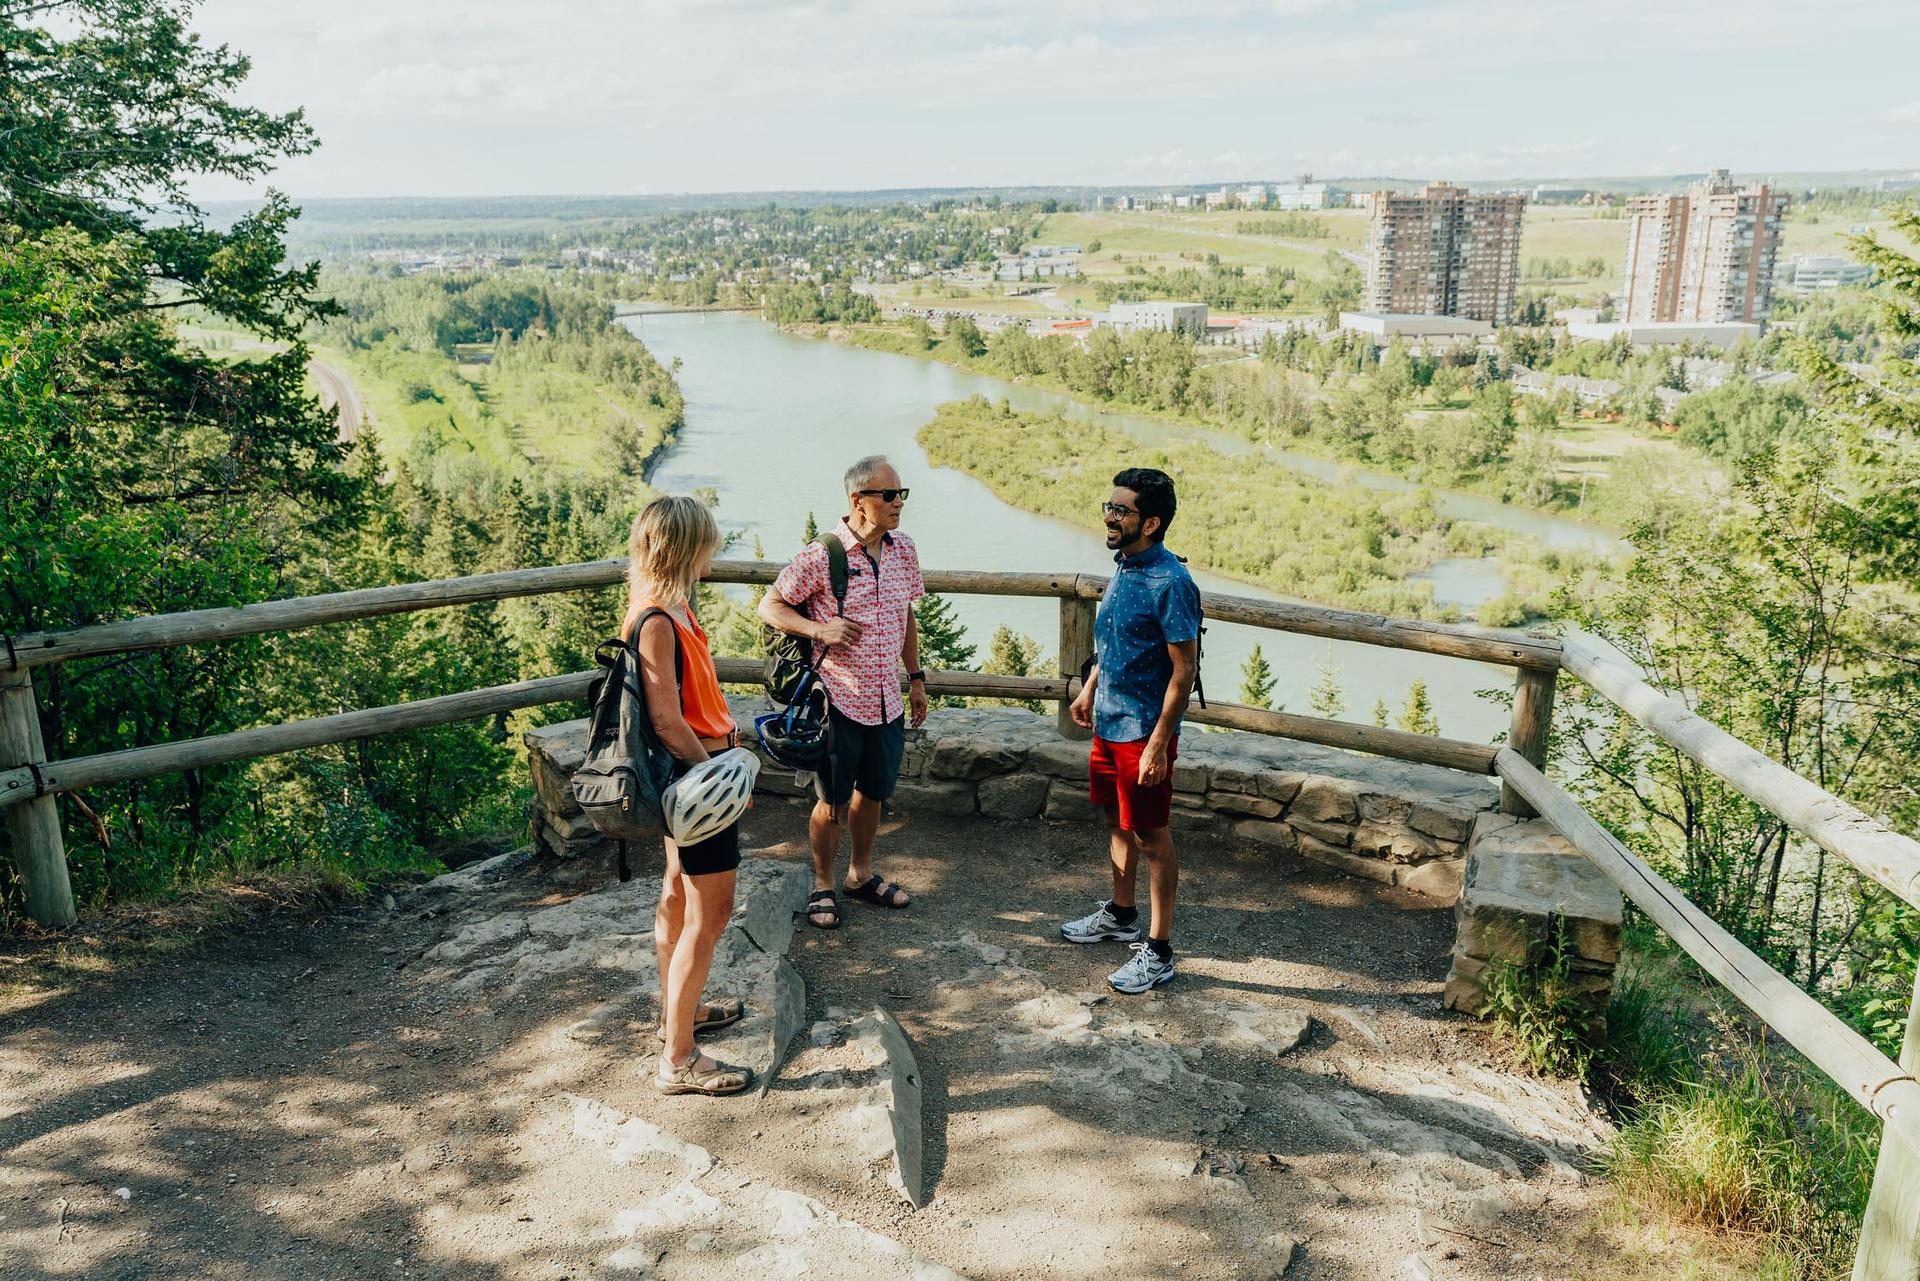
point(405, 1091)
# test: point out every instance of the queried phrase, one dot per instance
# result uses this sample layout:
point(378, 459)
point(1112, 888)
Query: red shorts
point(1113, 783)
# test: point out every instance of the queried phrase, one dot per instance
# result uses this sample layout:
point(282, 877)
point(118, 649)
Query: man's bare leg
point(864, 819)
point(1163, 879)
point(823, 838)
point(1125, 856)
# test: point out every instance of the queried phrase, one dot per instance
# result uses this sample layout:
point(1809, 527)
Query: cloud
point(659, 95)
point(1081, 46)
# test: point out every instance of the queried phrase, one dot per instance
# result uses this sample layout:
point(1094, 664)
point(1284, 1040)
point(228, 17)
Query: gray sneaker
point(1100, 927)
point(1142, 973)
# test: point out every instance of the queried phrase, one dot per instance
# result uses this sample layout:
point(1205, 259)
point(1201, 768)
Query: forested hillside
point(147, 474)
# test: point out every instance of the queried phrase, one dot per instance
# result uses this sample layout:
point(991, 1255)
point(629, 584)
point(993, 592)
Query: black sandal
point(879, 893)
point(823, 903)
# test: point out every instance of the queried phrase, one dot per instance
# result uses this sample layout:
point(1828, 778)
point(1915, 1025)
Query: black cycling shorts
point(866, 757)
point(718, 853)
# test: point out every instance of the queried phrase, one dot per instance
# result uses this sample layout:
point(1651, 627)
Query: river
point(772, 421)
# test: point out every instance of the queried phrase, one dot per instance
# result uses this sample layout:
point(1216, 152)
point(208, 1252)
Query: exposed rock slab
point(884, 1046)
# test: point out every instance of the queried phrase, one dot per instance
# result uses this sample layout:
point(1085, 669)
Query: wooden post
point(39, 853)
point(1076, 647)
point(1532, 715)
point(1889, 1248)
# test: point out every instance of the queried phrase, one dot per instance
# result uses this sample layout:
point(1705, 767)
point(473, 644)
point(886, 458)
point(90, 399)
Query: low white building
point(1189, 318)
point(1808, 273)
point(1440, 331)
point(1668, 333)
point(1305, 195)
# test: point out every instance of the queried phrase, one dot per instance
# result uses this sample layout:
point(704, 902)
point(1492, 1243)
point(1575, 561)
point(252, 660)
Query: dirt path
point(447, 1088)
point(339, 391)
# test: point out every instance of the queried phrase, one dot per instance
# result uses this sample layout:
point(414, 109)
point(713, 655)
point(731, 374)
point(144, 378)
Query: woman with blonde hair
point(671, 549)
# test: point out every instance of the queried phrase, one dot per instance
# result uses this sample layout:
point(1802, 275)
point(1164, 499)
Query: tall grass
point(1719, 1130)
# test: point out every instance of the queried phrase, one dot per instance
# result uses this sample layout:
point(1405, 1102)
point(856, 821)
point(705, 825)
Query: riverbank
point(1248, 518)
point(527, 408)
point(816, 406)
point(1565, 496)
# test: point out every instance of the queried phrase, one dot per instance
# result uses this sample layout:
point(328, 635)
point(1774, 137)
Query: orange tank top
point(701, 701)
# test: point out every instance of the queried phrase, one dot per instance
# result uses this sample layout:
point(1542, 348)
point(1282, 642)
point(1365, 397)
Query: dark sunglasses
point(1117, 509)
point(885, 495)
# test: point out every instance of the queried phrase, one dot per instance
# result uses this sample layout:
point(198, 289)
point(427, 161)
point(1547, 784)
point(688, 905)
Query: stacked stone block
point(1525, 883)
point(558, 827)
point(1388, 821)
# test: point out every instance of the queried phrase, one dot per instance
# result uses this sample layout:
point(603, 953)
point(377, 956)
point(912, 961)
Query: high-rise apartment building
point(1705, 257)
point(1445, 252)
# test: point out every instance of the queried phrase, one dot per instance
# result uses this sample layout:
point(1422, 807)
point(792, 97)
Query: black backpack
point(627, 768)
point(790, 658)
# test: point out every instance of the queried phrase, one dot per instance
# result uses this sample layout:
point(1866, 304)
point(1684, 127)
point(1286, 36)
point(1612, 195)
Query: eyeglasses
point(885, 495)
point(1117, 509)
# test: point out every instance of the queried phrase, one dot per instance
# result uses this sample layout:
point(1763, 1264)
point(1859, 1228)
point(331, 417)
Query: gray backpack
point(627, 767)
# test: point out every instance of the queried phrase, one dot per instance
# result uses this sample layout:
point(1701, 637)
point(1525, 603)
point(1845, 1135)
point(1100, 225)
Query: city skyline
point(671, 96)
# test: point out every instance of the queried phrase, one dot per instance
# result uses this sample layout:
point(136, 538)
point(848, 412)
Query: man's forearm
point(776, 613)
point(910, 648)
point(1173, 705)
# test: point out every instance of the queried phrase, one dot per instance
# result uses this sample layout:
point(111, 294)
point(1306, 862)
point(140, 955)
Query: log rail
point(1890, 1241)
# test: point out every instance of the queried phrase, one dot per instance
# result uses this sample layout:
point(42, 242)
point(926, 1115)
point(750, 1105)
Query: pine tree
point(813, 530)
point(943, 641)
point(1418, 718)
point(1380, 712)
point(1256, 679)
point(1013, 654)
point(1326, 698)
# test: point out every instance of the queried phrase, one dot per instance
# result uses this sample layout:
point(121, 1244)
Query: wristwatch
point(917, 676)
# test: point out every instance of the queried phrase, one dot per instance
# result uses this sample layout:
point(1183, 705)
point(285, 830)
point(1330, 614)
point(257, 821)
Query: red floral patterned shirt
point(862, 679)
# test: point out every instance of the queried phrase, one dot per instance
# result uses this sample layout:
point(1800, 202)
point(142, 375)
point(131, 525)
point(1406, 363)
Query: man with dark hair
point(1146, 652)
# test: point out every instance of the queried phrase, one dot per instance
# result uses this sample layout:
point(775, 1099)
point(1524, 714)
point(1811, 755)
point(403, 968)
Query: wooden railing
point(1890, 1241)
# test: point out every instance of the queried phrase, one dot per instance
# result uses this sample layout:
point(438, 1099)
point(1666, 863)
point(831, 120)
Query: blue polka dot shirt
point(1150, 603)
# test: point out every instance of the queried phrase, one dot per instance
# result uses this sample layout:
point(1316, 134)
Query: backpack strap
point(679, 659)
point(626, 872)
point(836, 569)
point(1199, 648)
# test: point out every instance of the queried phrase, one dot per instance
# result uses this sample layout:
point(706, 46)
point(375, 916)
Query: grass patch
point(1734, 1157)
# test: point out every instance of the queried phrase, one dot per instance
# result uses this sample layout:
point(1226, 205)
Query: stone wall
point(1389, 821)
point(1425, 828)
point(1524, 885)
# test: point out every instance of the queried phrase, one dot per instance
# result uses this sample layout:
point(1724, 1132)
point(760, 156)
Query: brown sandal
point(711, 1015)
point(714, 1080)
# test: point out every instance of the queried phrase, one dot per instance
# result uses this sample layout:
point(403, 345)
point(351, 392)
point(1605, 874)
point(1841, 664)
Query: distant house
point(1588, 391)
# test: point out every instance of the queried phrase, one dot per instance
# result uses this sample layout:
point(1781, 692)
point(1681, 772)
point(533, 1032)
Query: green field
point(1827, 232)
point(1160, 237)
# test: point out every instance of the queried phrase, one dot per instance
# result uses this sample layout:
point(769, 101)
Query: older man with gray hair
point(859, 650)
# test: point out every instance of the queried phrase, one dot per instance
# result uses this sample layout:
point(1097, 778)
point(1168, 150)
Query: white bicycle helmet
point(711, 795)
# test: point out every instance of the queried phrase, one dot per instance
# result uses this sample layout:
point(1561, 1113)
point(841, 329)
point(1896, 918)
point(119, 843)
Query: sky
point(637, 97)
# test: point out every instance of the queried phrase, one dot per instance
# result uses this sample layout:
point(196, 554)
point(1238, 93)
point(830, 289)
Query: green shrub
point(1540, 1011)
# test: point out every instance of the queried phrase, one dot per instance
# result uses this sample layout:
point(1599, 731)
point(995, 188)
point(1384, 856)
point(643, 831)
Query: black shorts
point(718, 853)
point(865, 757)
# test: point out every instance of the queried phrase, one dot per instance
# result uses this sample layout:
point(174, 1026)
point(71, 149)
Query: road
point(338, 392)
